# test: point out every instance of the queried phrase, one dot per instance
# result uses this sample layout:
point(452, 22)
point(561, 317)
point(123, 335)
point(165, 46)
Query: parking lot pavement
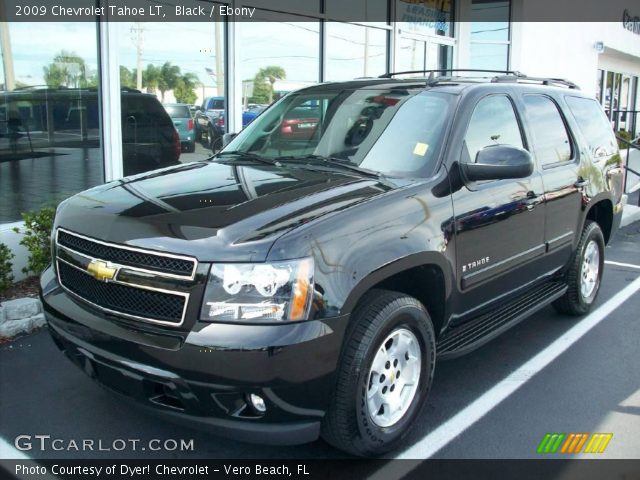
point(594, 386)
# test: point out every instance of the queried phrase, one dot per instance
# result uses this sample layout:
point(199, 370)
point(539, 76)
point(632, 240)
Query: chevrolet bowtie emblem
point(102, 271)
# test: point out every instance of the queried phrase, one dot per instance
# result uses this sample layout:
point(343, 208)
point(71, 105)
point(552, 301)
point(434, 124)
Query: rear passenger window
point(551, 142)
point(493, 122)
point(594, 125)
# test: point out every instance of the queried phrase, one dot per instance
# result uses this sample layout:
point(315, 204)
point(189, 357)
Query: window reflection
point(178, 65)
point(49, 115)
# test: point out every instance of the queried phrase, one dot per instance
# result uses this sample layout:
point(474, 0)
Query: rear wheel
point(385, 373)
point(585, 273)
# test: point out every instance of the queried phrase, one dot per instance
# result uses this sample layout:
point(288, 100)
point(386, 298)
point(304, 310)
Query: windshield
point(397, 132)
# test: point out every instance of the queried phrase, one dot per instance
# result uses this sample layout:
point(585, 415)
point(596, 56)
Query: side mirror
point(498, 162)
point(227, 137)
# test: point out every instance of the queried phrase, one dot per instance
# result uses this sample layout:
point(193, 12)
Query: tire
point(382, 318)
point(585, 273)
point(191, 147)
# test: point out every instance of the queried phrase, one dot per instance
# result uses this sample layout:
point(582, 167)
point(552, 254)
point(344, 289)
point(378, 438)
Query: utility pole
point(7, 55)
point(137, 39)
point(218, 52)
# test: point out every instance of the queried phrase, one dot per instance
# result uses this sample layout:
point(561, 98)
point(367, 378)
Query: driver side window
point(493, 122)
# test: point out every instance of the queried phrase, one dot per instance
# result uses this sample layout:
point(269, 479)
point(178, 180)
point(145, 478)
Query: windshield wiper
point(335, 162)
point(249, 155)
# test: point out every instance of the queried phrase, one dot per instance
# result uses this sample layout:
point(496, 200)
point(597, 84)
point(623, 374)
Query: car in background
point(218, 127)
point(205, 119)
point(183, 122)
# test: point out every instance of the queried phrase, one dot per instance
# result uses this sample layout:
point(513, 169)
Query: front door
point(499, 224)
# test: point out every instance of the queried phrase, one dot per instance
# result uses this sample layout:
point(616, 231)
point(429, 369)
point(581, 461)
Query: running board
point(475, 333)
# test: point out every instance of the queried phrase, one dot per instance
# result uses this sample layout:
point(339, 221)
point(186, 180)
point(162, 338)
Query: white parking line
point(618, 264)
point(448, 431)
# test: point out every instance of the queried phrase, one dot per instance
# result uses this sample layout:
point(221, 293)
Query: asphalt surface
point(594, 386)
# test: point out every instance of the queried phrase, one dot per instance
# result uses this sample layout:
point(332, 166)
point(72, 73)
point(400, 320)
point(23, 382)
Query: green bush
point(6, 277)
point(37, 239)
point(622, 133)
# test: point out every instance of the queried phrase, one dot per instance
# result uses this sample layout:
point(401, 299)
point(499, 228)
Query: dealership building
point(62, 124)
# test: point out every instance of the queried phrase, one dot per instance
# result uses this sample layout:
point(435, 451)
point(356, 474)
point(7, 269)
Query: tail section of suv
point(296, 286)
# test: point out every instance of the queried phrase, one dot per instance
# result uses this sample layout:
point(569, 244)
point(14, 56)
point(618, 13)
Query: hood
point(214, 211)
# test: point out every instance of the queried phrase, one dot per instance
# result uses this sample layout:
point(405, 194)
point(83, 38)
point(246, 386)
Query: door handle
point(581, 182)
point(532, 200)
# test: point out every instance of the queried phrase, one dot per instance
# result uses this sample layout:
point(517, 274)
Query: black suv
point(302, 285)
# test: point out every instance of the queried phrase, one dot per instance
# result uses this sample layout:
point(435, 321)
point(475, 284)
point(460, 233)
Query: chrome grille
point(164, 263)
point(136, 294)
point(118, 298)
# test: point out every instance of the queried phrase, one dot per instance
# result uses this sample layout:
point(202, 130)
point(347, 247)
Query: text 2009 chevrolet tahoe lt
point(305, 280)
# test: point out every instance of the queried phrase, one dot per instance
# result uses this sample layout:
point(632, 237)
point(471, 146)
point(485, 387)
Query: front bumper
point(202, 378)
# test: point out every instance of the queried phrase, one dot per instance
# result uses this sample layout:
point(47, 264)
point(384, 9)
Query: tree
point(184, 89)
point(169, 75)
point(151, 78)
point(127, 77)
point(261, 90)
point(272, 73)
point(67, 70)
point(264, 81)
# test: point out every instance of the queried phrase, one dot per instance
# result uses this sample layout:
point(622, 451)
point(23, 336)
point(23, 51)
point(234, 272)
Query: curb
point(630, 214)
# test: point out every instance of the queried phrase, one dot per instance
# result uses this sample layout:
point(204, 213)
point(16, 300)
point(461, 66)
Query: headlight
point(258, 292)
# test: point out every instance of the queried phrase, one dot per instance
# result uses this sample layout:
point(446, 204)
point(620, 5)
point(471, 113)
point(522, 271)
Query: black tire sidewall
point(419, 323)
point(593, 234)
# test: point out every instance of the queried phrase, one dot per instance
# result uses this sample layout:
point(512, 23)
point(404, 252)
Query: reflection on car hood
point(215, 211)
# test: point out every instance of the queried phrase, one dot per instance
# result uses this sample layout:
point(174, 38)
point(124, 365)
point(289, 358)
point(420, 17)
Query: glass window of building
point(172, 97)
point(431, 17)
point(50, 139)
point(275, 57)
point(490, 35)
point(355, 51)
point(416, 55)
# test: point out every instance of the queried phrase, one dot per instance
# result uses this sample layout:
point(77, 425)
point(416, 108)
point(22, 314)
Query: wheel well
point(602, 214)
point(426, 284)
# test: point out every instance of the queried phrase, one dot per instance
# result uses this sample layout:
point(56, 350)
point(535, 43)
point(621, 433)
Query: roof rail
point(129, 89)
point(506, 76)
point(446, 70)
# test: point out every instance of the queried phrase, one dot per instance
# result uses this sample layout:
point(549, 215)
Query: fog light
point(257, 402)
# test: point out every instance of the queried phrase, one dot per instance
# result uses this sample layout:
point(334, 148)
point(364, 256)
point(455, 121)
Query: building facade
point(63, 126)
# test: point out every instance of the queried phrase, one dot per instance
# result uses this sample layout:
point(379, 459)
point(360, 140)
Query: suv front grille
point(119, 298)
point(126, 256)
point(125, 281)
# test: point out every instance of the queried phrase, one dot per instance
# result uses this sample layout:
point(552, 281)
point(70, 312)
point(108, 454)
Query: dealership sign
point(631, 23)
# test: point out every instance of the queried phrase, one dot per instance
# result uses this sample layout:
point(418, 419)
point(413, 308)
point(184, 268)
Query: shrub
point(623, 134)
point(37, 238)
point(6, 277)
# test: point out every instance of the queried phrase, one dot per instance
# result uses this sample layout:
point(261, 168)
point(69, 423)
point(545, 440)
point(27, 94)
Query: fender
point(398, 266)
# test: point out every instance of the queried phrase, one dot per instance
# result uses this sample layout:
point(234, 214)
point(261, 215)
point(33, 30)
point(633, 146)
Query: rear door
point(553, 147)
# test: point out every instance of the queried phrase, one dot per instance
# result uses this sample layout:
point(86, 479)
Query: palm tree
point(185, 86)
point(272, 73)
point(169, 75)
point(151, 78)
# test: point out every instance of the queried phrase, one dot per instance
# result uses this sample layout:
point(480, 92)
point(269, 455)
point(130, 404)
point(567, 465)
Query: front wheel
point(385, 373)
point(585, 273)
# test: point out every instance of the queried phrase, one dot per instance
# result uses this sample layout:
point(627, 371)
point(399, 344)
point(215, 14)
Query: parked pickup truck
point(302, 285)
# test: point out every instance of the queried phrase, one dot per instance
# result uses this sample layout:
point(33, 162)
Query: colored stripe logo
point(573, 443)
